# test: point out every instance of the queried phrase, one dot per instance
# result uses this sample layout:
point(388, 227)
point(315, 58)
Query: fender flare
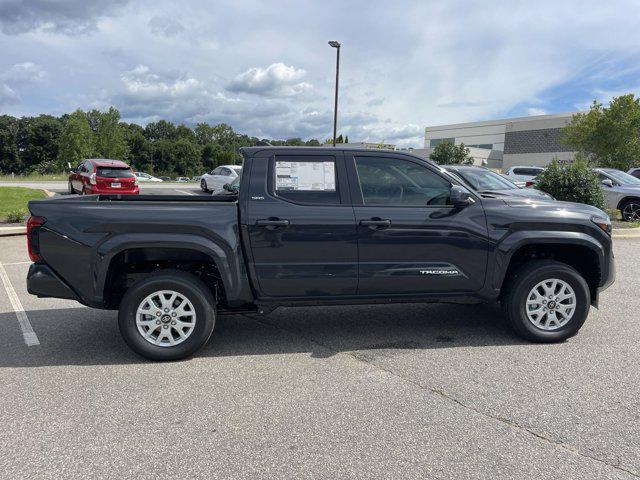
point(227, 260)
point(506, 248)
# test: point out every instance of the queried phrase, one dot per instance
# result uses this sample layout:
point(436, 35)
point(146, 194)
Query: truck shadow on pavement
point(83, 336)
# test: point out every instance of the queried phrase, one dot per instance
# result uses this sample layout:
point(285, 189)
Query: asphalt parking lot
point(411, 391)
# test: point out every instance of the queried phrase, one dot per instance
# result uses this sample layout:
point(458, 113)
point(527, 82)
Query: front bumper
point(43, 282)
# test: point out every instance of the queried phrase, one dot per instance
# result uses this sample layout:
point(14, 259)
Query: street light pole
point(336, 45)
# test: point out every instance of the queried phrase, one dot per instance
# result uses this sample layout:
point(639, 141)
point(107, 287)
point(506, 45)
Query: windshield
point(481, 179)
point(622, 178)
point(111, 172)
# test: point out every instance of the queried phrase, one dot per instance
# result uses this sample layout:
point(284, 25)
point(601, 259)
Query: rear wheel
point(167, 316)
point(203, 185)
point(546, 301)
point(630, 210)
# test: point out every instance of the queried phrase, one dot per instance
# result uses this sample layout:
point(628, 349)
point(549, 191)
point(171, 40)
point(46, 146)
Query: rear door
point(411, 241)
point(301, 226)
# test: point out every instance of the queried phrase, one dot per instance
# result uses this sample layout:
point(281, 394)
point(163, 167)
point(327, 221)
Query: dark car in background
point(484, 181)
point(97, 175)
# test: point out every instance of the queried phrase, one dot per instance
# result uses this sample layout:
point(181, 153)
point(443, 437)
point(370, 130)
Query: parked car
point(313, 226)
point(182, 179)
point(97, 175)
point(525, 174)
point(622, 192)
point(145, 177)
point(635, 172)
point(484, 181)
point(165, 179)
point(518, 183)
point(229, 188)
point(197, 178)
point(219, 176)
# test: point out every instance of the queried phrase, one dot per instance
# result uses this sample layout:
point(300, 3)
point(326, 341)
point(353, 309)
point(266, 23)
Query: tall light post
point(336, 45)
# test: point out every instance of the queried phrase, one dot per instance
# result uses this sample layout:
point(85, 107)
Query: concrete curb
point(11, 231)
point(626, 233)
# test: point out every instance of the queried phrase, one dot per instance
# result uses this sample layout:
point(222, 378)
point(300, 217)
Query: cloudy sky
point(265, 67)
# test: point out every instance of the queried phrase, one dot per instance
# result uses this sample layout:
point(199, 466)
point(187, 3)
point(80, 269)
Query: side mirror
point(460, 196)
point(607, 183)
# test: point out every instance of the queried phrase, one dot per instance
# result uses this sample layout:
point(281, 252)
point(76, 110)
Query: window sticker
point(306, 176)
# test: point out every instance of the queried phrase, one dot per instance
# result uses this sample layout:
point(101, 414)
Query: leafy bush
point(16, 216)
point(446, 153)
point(572, 182)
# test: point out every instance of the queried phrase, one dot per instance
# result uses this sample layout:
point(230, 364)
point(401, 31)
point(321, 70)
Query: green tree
point(446, 153)
point(186, 158)
point(10, 161)
point(608, 136)
point(76, 141)
point(572, 182)
point(110, 139)
point(161, 130)
point(38, 140)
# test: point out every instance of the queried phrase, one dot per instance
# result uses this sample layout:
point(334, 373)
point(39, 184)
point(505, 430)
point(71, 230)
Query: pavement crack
point(441, 393)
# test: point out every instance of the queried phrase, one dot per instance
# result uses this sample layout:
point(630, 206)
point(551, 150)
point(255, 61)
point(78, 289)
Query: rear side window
point(306, 180)
point(110, 172)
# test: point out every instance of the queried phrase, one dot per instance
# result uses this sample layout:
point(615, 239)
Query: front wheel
point(546, 301)
point(167, 316)
point(203, 185)
point(70, 189)
point(630, 210)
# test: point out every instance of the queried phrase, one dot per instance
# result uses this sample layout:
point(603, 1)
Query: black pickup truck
point(318, 226)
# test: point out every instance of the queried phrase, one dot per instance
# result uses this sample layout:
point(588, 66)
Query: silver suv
point(622, 192)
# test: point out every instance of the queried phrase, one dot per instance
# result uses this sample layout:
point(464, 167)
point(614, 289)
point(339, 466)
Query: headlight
point(603, 223)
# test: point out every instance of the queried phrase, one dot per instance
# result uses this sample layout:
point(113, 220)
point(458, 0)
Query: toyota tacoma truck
point(319, 226)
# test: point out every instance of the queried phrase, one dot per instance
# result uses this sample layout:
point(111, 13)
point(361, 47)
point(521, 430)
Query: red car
point(103, 176)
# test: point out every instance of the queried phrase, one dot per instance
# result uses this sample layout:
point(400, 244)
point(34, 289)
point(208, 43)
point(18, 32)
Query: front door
point(411, 241)
point(301, 227)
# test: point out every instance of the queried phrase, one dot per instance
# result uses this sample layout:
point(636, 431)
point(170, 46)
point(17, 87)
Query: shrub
point(572, 182)
point(16, 216)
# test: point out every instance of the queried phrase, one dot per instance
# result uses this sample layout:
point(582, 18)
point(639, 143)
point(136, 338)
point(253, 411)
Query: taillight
point(529, 183)
point(33, 237)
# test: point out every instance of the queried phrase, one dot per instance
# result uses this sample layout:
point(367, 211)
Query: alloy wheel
point(165, 318)
point(551, 304)
point(631, 212)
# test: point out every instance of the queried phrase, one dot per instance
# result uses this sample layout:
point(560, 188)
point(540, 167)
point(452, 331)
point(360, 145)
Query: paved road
point(414, 391)
point(145, 188)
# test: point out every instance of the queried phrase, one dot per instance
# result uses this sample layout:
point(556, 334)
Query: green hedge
point(572, 182)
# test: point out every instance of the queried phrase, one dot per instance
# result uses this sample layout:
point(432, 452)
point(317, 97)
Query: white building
point(534, 140)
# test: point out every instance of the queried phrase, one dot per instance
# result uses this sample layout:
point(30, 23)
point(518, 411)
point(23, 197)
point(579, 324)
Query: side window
point(310, 180)
point(216, 171)
point(395, 182)
point(225, 172)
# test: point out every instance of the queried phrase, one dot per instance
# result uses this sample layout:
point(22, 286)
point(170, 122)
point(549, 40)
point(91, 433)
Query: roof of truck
point(252, 151)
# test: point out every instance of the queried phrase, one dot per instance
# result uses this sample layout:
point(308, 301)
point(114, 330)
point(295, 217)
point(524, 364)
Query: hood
point(518, 192)
point(554, 205)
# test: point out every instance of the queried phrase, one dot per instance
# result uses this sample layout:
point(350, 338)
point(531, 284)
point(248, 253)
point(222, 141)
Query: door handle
point(272, 223)
point(375, 223)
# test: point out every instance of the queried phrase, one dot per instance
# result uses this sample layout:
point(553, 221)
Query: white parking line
point(185, 192)
point(30, 337)
point(17, 263)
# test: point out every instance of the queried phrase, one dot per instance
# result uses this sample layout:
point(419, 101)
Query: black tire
point(83, 192)
point(630, 210)
point(187, 285)
point(71, 191)
point(203, 185)
point(520, 284)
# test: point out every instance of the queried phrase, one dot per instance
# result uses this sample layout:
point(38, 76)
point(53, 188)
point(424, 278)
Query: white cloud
point(7, 95)
point(536, 111)
point(277, 80)
point(23, 74)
